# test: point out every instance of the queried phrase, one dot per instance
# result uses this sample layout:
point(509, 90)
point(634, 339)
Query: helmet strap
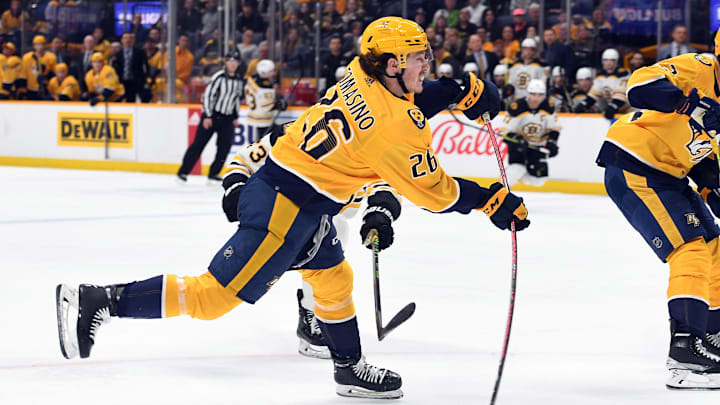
point(400, 80)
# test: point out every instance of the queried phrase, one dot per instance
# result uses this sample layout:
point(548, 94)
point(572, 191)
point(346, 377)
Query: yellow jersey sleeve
point(109, 78)
point(685, 72)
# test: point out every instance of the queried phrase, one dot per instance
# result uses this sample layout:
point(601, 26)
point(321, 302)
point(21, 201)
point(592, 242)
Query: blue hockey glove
point(502, 207)
point(712, 198)
point(232, 184)
point(478, 97)
point(703, 111)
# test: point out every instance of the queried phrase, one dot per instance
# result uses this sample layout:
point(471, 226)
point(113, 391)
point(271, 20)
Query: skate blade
point(313, 351)
point(359, 392)
point(66, 304)
point(692, 380)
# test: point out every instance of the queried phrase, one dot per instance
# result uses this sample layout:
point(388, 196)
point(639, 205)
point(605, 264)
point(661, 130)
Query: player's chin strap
point(400, 80)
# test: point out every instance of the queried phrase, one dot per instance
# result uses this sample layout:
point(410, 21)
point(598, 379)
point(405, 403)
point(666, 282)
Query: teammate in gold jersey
point(648, 157)
point(368, 130)
point(36, 68)
point(102, 82)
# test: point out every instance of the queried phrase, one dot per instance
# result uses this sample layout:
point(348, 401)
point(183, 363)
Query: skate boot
point(311, 343)
point(80, 313)
point(356, 378)
point(692, 363)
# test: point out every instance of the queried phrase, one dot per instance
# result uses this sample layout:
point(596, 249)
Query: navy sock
point(690, 315)
point(713, 323)
point(343, 339)
point(141, 299)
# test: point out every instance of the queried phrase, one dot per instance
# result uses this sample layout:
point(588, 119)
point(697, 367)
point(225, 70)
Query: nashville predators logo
point(699, 145)
point(657, 242)
point(228, 252)
point(417, 116)
point(692, 219)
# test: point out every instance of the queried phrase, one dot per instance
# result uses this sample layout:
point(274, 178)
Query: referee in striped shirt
point(220, 102)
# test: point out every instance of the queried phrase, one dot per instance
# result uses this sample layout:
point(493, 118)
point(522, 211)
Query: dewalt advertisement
point(89, 129)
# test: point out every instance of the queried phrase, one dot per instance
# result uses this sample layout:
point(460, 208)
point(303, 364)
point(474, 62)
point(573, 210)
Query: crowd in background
point(465, 35)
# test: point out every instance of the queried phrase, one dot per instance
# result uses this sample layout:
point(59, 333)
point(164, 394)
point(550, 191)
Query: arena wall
point(153, 138)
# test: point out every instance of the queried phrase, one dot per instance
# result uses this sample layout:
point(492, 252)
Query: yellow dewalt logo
point(88, 129)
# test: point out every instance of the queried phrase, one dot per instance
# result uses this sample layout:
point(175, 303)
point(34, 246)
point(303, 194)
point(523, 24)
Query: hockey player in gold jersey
point(36, 68)
point(648, 157)
point(102, 82)
point(368, 130)
point(63, 87)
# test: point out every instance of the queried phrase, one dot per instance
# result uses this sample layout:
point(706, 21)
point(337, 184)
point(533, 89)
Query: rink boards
point(153, 138)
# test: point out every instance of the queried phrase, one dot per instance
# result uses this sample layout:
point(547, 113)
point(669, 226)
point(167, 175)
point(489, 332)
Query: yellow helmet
point(61, 66)
point(97, 57)
point(39, 39)
point(396, 36)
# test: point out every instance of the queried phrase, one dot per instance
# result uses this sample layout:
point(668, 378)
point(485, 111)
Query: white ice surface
point(590, 323)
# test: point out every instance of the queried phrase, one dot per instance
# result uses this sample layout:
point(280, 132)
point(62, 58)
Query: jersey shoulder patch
point(518, 107)
point(547, 106)
point(417, 117)
point(705, 58)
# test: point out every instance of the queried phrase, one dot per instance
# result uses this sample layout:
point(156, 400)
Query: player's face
point(39, 48)
point(534, 100)
point(232, 65)
point(499, 80)
point(417, 67)
point(608, 64)
point(528, 53)
point(585, 84)
point(61, 75)
point(97, 66)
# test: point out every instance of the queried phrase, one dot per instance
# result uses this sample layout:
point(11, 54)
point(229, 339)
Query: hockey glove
point(502, 207)
point(477, 97)
point(517, 139)
point(551, 146)
point(580, 108)
point(712, 198)
point(703, 111)
point(281, 105)
point(380, 219)
point(508, 91)
point(94, 101)
point(233, 184)
point(610, 111)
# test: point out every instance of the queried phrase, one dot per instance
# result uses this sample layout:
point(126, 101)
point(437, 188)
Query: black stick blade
point(397, 320)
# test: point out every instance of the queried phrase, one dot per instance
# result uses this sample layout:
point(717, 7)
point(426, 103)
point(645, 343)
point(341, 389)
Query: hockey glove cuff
point(503, 207)
point(712, 198)
point(478, 97)
point(233, 184)
point(380, 220)
point(703, 111)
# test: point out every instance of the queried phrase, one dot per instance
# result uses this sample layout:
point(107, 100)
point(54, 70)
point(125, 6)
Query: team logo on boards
point(417, 116)
point(692, 219)
point(95, 129)
point(228, 252)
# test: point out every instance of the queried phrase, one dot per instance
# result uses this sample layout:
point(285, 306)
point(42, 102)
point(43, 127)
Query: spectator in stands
point(250, 19)
point(102, 45)
point(532, 34)
point(440, 26)
point(555, 53)
point(442, 56)
point(293, 54)
point(138, 29)
point(210, 54)
point(306, 16)
point(519, 23)
point(637, 60)
point(454, 45)
point(486, 61)
point(131, 65)
point(184, 59)
point(483, 35)
point(293, 22)
point(534, 16)
point(678, 46)
point(561, 31)
point(450, 13)
point(210, 20)
point(421, 17)
point(248, 49)
point(332, 61)
point(115, 49)
point(58, 14)
point(584, 52)
point(331, 22)
point(465, 27)
point(352, 14)
point(57, 46)
point(351, 38)
point(154, 35)
point(599, 25)
point(63, 87)
point(82, 63)
point(511, 46)
point(189, 19)
point(476, 11)
point(263, 53)
point(10, 19)
point(491, 25)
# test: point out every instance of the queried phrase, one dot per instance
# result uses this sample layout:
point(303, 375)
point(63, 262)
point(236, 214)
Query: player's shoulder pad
point(516, 63)
point(518, 107)
point(548, 106)
point(706, 59)
point(539, 62)
point(417, 117)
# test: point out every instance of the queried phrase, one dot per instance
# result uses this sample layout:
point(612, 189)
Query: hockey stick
point(513, 285)
point(404, 313)
point(540, 149)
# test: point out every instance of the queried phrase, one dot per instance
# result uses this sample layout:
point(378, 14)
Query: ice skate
point(90, 306)
point(362, 380)
point(311, 342)
point(692, 365)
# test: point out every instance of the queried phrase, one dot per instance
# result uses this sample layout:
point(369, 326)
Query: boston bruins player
point(607, 94)
point(648, 157)
point(369, 130)
point(260, 94)
point(581, 89)
point(532, 126)
point(529, 67)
